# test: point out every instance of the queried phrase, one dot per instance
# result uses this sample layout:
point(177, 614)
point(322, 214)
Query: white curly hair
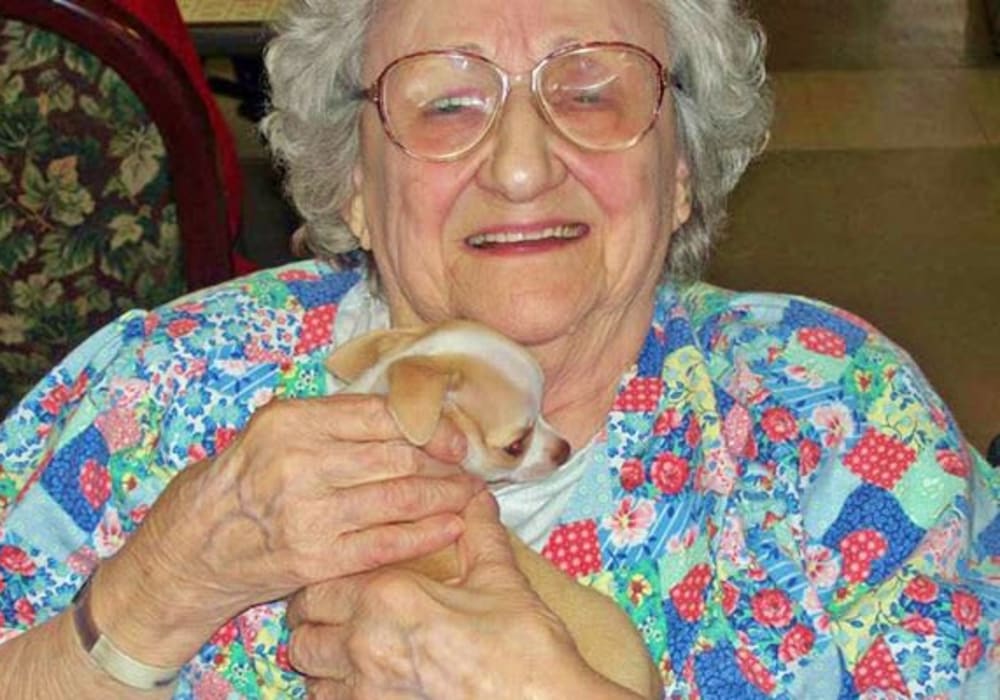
point(721, 99)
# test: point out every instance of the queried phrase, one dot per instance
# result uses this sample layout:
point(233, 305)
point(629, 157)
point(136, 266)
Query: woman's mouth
point(530, 238)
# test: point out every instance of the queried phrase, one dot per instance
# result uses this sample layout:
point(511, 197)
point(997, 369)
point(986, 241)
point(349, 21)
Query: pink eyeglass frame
point(373, 93)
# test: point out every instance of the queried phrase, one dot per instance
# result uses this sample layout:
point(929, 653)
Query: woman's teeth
point(559, 232)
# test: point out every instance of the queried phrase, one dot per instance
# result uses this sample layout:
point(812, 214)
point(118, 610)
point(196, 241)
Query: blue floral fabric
point(783, 507)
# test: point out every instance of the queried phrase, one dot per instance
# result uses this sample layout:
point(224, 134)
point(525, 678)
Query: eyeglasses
point(439, 105)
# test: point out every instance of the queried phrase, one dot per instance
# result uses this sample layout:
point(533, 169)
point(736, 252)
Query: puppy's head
point(490, 387)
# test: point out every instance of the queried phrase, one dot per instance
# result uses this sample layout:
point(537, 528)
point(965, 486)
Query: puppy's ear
point(351, 359)
point(418, 387)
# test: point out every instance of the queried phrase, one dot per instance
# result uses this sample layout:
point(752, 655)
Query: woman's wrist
point(140, 622)
point(109, 658)
point(142, 604)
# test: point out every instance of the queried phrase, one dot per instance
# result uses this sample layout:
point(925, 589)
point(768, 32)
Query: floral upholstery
point(87, 225)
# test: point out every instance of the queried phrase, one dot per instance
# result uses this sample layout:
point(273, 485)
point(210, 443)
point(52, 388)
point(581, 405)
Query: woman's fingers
point(320, 651)
point(327, 603)
point(311, 489)
point(363, 418)
point(374, 547)
point(351, 438)
point(486, 543)
point(399, 500)
point(340, 464)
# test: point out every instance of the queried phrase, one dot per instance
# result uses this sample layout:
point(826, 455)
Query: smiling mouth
point(568, 232)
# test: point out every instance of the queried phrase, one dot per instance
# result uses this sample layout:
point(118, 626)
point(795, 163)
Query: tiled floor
point(880, 191)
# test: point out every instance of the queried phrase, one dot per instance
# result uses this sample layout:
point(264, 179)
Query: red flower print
point(669, 473)
point(858, 550)
point(62, 394)
point(16, 560)
point(922, 589)
point(797, 642)
point(688, 596)
point(754, 670)
point(297, 276)
point(181, 327)
point(878, 670)
point(24, 611)
point(139, 513)
point(95, 484)
point(632, 475)
point(641, 394)
point(771, 607)
point(224, 436)
point(971, 653)
point(281, 656)
point(629, 524)
point(809, 455)
point(730, 597)
point(574, 548)
point(639, 588)
point(667, 422)
point(863, 380)
point(317, 328)
point(880, 459)
point(953, 463)
point(779, 424)
point(918, 624)
point(693, 435)
point(54, 400)
point(150, 323)
point(822, 341)
point(966, 609)
point(225, 634)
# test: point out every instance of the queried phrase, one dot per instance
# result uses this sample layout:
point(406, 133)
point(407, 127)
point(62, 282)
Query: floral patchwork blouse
point(778, 499)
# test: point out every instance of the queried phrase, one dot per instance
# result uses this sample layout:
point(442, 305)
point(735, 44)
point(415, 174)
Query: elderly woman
point(765, 484)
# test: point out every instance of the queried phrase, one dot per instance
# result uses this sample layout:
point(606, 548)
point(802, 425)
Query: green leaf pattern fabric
point(88, 228)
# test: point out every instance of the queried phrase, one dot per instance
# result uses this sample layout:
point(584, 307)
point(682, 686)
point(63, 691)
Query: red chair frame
point(163, 86)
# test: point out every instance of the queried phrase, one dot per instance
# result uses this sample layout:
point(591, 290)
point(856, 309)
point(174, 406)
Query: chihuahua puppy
point(491, 388)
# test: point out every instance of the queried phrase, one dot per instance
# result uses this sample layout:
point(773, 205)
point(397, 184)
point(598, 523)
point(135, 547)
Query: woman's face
point(419, 218)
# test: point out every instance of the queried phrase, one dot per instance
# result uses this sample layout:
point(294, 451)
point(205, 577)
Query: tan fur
point(602, 632)
point(349, 361)
point(493, 410)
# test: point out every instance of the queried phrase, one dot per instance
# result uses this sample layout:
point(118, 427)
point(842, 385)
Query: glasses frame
point(375, 93)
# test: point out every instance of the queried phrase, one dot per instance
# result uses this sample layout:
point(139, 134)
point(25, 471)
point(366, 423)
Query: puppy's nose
point(560, 452)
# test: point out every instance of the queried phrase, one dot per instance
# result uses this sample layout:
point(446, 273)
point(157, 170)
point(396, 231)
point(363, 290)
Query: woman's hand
point(393, 634)
point(311, 490)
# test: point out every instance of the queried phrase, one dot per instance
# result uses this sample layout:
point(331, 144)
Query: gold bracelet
point(108, 657)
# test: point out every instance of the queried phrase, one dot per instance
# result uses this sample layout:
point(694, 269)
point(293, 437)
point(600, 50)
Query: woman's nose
point(521, 163)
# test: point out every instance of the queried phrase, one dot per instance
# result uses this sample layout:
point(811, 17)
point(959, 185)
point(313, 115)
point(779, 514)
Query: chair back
point(110, 193)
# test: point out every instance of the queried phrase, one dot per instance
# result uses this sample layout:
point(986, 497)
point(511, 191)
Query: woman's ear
point(353, 212)
point(682, 193)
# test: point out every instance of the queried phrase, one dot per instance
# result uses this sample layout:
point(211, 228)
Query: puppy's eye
point(516, 448)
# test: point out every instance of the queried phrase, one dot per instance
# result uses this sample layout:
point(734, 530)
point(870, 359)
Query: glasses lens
point(602, 98)
point(438, 105)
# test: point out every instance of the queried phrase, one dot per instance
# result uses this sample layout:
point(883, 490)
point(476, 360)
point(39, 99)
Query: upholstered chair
point(110, 193)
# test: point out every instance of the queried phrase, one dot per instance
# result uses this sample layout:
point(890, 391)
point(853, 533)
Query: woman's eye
point(588, 97)
point(453, 105)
